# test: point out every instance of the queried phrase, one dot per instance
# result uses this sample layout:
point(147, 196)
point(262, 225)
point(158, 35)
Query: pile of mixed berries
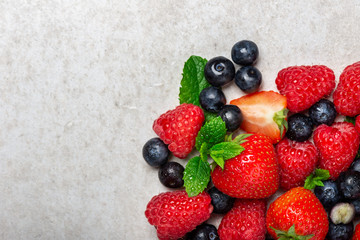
point(289, 141)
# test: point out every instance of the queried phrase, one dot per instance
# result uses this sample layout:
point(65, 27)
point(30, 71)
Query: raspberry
point(305, 85)
point(179, 128)
point(347, 94)
point(174, 213)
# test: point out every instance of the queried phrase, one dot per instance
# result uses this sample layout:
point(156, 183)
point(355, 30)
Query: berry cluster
point(259, 143)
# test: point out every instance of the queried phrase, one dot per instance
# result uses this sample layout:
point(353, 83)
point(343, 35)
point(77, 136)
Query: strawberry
point(174, 213)
point(356, 235)
point(297, 213)
point(305, 85)
point(296, 160)
point(357, 124)
point(245, 221)
point(347, 93)
point(179, 128)
point(263, 112)
point(252, 174)
point(337, 145)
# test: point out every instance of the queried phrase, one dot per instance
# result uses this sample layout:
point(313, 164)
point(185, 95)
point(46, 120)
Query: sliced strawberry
point(264, 112)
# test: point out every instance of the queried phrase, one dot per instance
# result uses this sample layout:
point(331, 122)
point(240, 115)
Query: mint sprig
point(196, 176)
point(290, 234)
point(193, 81)
point(212, 132)
point(224, 151)
point(316, 178)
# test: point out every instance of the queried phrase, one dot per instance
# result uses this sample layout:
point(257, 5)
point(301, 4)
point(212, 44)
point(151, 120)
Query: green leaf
point(204, 151)
point(209, 116)
point(350, 120)
point(193, 81)
point(280, 119)
point(196, 176)
point(212, 132)
point(224, 151)
point(290, 234)
point(315, 179)
point(241, 138)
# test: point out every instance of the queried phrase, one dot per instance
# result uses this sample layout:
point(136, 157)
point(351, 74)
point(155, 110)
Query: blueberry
point(221, 202)
point(300, 127)
point(323, 112)
point(232, 117)
point(244, 53)
point(155, 152)
point(204, 231)
point(171, 175)
point(356, 204)
point(219, 71)
point(340, 231)
point(342, 213)
point(329, 194)
point(248, 79)
point(355, 165)
point(212, 99)
point(349, 184)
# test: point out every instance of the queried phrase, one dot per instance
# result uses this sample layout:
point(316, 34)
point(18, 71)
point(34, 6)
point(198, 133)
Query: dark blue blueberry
point(355, 165)
point(349, 184)
point(155, 152)
point(212, 99)
point(248, 79)
point(356, 204)
point(219, 71)
point(329, 194)
point(323, 112)
point(245, 53)
point(232, 117)
point(300, 127)
point(340, 231)
point(171, 175)
point(221, 202)
point(204, 231)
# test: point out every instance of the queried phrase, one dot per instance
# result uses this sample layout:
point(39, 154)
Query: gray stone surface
point(82, 82)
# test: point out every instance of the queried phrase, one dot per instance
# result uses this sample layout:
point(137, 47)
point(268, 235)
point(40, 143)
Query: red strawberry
point(347, 93)
point(245, 221)
point(305, 85)
point(179, 128)
point(264, 112)
point(252, 174)
point(357, 124)
point(356, 235)
point(296, 160)
point(298, 207)
point(337, 145)
point(174, 213)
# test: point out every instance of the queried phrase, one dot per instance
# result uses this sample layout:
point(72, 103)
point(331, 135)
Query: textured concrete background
point(82, 82)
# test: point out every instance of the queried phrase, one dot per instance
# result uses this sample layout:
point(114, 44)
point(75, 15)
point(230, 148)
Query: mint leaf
point(193, 81)
point(204, 152)
point(315, 179)
point(212, 132)
point(196, 176)
point(280, 120)
point(241, 138)
point(209, 116)
point(350, 120)
point(224, 151)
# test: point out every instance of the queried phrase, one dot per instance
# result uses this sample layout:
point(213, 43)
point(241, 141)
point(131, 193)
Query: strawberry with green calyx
point(253, 174)
point(316, 178)
point(264, 112)
point(211, 140)
point(297, 214)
